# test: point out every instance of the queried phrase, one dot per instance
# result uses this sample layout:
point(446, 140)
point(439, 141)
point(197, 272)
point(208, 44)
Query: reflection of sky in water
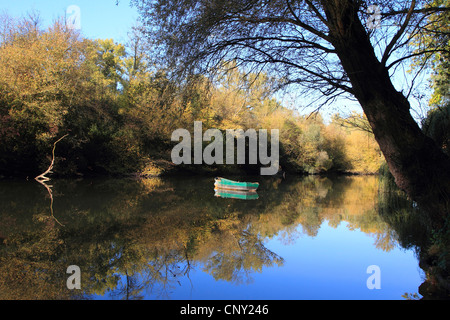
point(331, 265)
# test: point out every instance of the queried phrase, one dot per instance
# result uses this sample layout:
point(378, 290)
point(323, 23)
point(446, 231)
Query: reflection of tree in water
point(156, 279)
point(238, 264)
point(136, 239)
point(164, 273)
point(414, 229)
point(30, 267)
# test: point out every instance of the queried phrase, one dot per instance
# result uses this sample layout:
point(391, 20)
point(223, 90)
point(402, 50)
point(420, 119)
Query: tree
point(437, 123)
point(109, 61)
point(437, 126)
point(326, 46)
point(40, 72)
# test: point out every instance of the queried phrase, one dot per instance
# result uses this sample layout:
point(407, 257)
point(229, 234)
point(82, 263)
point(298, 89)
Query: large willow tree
point(335, 47)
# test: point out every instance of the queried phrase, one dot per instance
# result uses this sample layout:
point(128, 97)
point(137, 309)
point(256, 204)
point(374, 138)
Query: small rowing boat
point(221, 183)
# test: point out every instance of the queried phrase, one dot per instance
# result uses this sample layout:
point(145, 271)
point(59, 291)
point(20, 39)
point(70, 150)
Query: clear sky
point(99, 18)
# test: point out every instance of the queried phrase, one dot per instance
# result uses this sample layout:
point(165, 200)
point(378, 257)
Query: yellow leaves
point(360, 149)
point(363, 152)
point(151, 169)
point(34, 66)
point(40, 72)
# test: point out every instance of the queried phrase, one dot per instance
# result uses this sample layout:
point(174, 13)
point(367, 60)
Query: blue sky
point(99, 18)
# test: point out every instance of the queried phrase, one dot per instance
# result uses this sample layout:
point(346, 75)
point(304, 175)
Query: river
point(172, 238)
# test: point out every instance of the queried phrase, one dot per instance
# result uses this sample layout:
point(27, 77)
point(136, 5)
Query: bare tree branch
point(42, 178)
point(399, 33)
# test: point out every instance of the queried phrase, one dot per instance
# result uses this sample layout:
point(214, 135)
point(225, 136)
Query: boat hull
point(235, 185)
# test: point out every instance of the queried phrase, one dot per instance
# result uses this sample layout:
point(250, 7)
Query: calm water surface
point(171, 238)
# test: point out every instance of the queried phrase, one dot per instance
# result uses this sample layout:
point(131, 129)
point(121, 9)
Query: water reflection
point(146, 239)
point(236, 194)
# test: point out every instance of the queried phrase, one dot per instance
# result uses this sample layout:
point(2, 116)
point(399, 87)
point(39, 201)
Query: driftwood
point(42, 179)
point(42, 176)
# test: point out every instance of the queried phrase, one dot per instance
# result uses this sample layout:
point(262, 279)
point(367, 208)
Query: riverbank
point(164, 168)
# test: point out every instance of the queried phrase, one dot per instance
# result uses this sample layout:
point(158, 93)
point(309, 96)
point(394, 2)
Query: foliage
point(361, 149)
point(40, 73)
point(437, 126)
point(119, 111)
point(434, 40)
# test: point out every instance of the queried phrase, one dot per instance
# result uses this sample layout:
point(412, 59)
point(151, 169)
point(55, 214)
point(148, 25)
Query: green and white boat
point(221, 183)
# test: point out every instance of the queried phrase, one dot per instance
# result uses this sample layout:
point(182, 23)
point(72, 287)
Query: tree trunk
point(419, 166)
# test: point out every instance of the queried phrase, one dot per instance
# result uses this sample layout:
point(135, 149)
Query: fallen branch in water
point(42, 176)
point(42, 179)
